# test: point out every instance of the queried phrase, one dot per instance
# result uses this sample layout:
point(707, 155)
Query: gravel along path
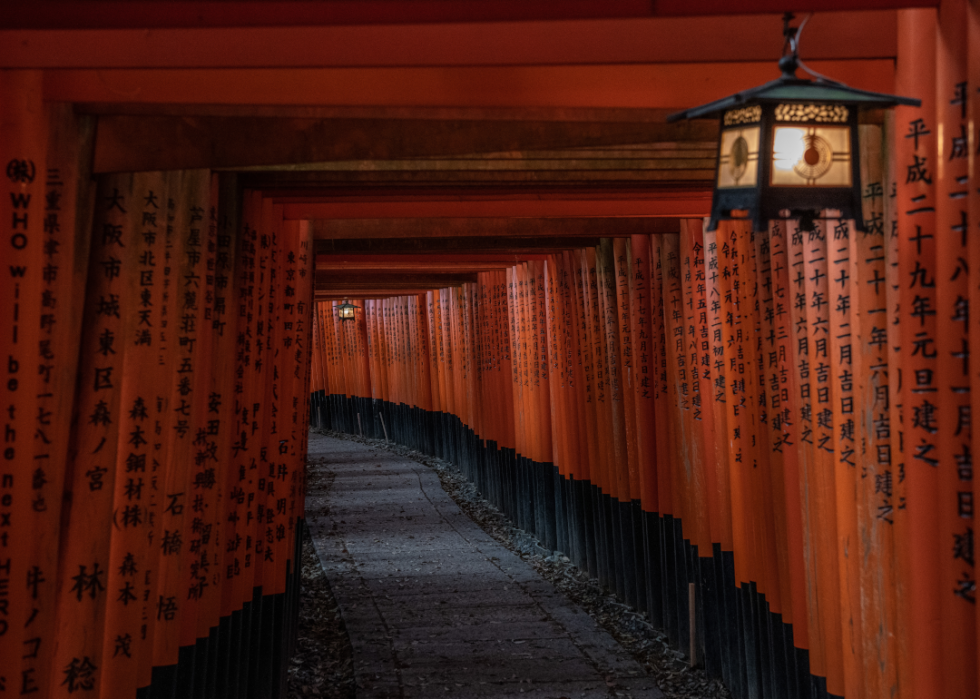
point(427, 625)
point(322, 665)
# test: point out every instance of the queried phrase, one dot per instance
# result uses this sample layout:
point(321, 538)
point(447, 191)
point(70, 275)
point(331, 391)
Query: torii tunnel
point(775, 424)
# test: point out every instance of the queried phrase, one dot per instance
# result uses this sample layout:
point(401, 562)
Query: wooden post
point(714, 392)
point(915, 483)
point(131, 550)
point(23, 146)
point(69, 192)
point(973, 112)
point(954, 581)
point(85, 559)
point(786, 444)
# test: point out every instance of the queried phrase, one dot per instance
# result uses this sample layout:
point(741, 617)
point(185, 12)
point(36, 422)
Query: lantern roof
point(790, 88)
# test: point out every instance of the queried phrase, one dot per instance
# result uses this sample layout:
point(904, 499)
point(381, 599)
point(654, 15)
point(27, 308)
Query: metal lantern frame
point(345, 308)
point(797, 102)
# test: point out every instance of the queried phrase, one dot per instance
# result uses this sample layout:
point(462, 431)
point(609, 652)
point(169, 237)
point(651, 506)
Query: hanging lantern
point(789, 149)
point(346, 310)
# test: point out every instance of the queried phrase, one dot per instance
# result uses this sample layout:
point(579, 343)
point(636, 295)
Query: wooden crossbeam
point(492, 227)
point(144, 14)
point(371, 293)
point(659, 85)
point(384, 264)
point(359, 278)
point(651, 206)
point(433, 260)
point(542, 245)
point(148, 142)
point(562, 40)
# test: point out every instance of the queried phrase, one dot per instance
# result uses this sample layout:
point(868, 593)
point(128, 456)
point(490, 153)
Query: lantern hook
point(790, 58)
point(791, 61)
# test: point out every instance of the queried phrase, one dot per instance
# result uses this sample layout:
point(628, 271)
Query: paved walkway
point(437, 608)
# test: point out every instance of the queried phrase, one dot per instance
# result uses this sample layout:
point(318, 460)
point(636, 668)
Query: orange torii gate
point(778, 420)
point(763, 439)
point(181, 473)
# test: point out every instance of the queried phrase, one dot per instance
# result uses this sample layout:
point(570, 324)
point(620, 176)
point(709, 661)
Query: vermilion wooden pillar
point(277, 518)
point(557, 372)
point(542, 384)
point(476, 396)
point(698, 517)
point(260, 281)
point(517, 361)
point(187, 200)
point(844, 306)
point(738, 435)
point(955, 579)
point(425, 353)
point(582, 447)
point(581, 461)
point(160, 416)
point(306, 271)
point(433, 343)
point(820, 474)
point(68, 193)
point(914, 479)
point(241, 301)
point(785, 441)
point(621, 310)
point(673, 305)
point(772, 486)
point(364, 363)
point(714, 397)
point(713, 388)
point(247, 287)
point(381, 339)
point(767, 487)
point(461, 355)
point(203, 468)
point(973, 212)
point(603, 477)
point(871, 405)
point(701, 359)
point(23, 140)
point(109, 319)
point(755, 459)
point(661, 398)
point(576, 386)
point(140, 350)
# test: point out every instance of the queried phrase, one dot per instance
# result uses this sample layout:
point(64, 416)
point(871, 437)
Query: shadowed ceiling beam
point(643, 86)
point(380, 264)
point(496, 227)
point(483, 245)
point(443, 267)
point(132, 143)
point(361, 294)
point(374, 297)
point(636, 40)
point(688, 207)
point(335, 278)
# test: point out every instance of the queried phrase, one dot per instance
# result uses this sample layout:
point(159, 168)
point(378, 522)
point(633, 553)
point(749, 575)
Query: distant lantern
point(346, 310)
point(789, 149)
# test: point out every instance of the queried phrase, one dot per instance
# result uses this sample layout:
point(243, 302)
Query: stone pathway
point(433, 605)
